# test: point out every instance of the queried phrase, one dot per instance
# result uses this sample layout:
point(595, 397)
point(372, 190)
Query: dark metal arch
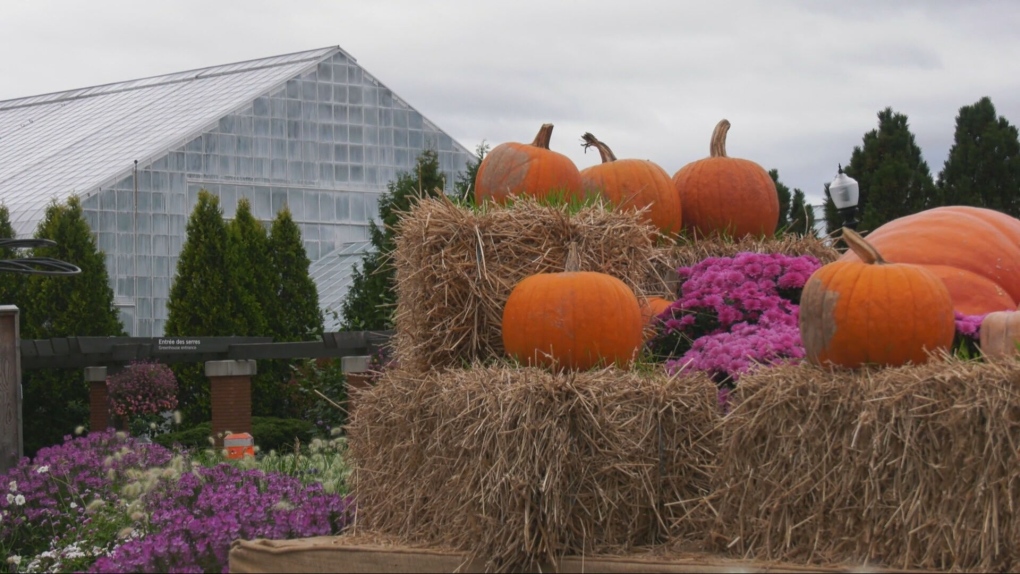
point(34, 265)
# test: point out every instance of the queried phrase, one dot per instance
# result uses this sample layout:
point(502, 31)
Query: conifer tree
point(893, 177)
point(202, 300)
point(9, 282)
point(56, 400)
point(371, 300)
point(833, 219)
point(783, 193)
point(802, 216)
point(465, 183)
point(983, 166)
point(295, 313)
point(250, 271)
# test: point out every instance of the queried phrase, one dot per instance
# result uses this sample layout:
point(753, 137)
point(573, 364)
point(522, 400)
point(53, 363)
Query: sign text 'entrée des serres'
point(178, 344)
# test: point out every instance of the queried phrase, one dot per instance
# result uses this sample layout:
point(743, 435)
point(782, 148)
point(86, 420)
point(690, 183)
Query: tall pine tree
point(983, 166)
point(465, 183)
point(295, 313)
point(783, 193)
point(10, 283)
point(250, 271)
point(202, 299)
point(802, 216)
point(371, 300)
point(56, 400)
point(893, 177)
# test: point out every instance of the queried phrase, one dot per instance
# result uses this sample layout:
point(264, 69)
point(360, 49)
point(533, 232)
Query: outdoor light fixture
point(844, 192)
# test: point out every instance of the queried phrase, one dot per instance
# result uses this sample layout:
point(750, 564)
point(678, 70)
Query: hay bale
point(913, 467)
point(519, 466)
point(667, 259)
point(455, 269)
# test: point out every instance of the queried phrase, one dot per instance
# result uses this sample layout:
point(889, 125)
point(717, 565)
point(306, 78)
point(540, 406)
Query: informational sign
point(178, 344)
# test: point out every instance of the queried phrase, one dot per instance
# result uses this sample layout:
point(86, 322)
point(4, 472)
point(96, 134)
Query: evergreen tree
point(371, 300)
point(295, 313)
point(833, 219)
point(250, 271)
point(56, 400)
point(802, 216)
point(783, 193)
point(202, 300)
point(10, 283)
point(893, 177)
point(465, 184)
point(983, 166)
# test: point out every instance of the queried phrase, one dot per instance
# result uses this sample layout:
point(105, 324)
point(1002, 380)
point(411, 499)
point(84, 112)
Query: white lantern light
point(845, 193)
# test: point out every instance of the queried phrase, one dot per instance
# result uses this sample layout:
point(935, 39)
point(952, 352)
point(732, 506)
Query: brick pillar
point(99, 404)
point(230, 390)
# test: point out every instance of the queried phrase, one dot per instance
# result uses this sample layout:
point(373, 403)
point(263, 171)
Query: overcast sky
point(801, 82)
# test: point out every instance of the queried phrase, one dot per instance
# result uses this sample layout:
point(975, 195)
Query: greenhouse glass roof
point(55, 145)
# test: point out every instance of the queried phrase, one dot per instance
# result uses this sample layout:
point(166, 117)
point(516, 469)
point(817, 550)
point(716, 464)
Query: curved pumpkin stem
point(573, 263)
point(604, 151)
point(718, 145)
point(862, 248)
point(543, 137)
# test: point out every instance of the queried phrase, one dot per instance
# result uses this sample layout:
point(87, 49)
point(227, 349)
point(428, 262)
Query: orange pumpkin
point(574, 320)
point(975, 251)
point(527, 169)
point(727, 195)
point(634, 184)
point(869, 311)
point(651, 308)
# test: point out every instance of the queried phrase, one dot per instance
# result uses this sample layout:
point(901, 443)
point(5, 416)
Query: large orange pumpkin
point(869, 311)
point(527, 169)
point(574, 320)
point(727, 195)
point(975, 251)
point(636, 184)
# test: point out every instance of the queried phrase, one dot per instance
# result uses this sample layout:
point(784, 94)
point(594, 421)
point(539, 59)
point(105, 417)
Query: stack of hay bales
point(521, 466)
point(455, 269)
point(913, 467)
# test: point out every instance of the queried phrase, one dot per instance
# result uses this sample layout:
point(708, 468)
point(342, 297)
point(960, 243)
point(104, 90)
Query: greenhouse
point(312, 131)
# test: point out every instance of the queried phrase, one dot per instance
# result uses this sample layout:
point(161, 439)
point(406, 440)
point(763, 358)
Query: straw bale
point(687, 252)
point(455, 269)
point(912, 467)
point(520, 465)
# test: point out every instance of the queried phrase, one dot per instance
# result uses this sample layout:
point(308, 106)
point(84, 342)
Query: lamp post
point(845, 192)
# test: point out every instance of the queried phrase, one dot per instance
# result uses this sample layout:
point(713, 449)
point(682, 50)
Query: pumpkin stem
point(861, 247)
point(543, 137)
point(604, 151)
point(573, 263)
point(718, 145)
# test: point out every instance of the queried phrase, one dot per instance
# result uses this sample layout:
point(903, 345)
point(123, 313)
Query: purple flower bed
point(734, 313)
point(108, 503)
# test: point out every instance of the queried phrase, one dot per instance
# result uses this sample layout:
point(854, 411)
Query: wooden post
point(99, 403)
point(12, 442)
point(230, 393)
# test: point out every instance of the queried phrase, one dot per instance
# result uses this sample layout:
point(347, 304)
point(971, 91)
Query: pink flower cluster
point(969, 325)
point(142, 388)
point(734, 312)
